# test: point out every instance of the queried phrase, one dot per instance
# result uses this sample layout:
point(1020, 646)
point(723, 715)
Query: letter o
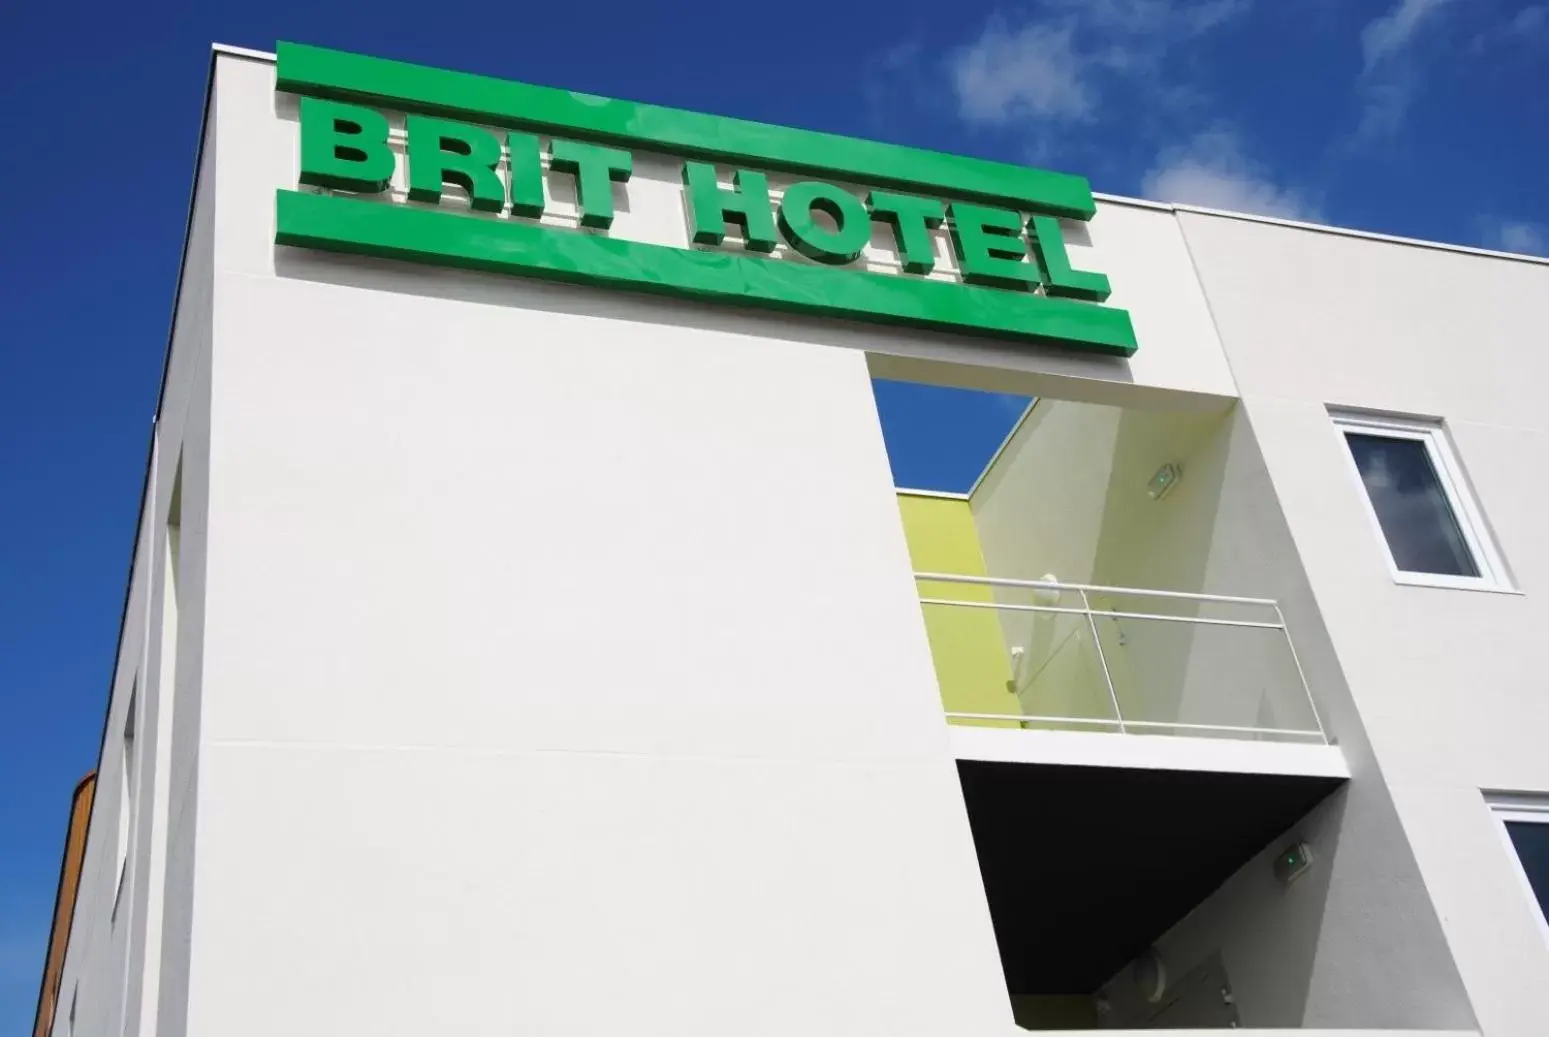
point(852, 223)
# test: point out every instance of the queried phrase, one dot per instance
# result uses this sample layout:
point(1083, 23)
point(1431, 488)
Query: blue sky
point(1416, 117)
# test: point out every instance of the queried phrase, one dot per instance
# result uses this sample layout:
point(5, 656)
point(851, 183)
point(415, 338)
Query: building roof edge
point(232, 50)
point(1320, 228)
point(247, 53)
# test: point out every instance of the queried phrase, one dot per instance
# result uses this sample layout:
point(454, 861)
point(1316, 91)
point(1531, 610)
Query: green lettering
point(852, 223)
point(442, 152)
point(344, 147)
point(526, 174)
point(990, 247)
point(911, 219)
point(711, 207)
point(595, 169)
point(1058, 275)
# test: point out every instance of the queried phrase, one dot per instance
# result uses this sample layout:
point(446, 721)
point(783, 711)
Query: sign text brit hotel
point(1012, 276)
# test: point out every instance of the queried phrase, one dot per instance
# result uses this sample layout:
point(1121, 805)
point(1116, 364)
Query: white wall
point(1143, 253)
point(521, 705)
point(1140, 249)
point(1039, 506)
point(1449, 684)
point(499, 698)
point(179, 650)
point(1038, 511)
point(1309, 955)
point(1357, 942)
point(1068, 497)
point(1380, 958)
point(1208, 535)
point(113, 964)
point(1164, 545)
point(98, 970)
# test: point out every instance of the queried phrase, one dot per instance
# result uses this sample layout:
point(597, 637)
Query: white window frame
point(1493, 575)
point(1532, 810)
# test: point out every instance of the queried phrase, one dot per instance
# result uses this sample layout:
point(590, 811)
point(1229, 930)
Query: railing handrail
point(1109, 613)
point(1002, 581)
point(1289, 732)
point(1091, 614)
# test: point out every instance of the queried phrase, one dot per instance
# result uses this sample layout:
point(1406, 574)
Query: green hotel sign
point(1012, 277)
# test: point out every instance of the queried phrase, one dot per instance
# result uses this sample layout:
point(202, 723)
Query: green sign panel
point(1014, 277)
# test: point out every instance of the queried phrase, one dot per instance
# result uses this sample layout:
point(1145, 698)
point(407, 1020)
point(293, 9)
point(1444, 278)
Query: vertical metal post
point(1097, 642)
point(1296, 659)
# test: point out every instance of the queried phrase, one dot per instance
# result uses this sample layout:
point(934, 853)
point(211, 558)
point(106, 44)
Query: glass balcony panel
point(972, 665)
point(1010, 654)
point(1197, 673)
point(1057, 674)
point(1007, 653)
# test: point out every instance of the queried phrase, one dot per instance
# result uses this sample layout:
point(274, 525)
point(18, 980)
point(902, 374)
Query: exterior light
point(1150, 976)
point(1293, 863)
point(1164, 480)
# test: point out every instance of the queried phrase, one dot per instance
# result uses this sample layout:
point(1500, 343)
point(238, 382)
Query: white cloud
point(1532, 20)
point(1388, 78)
point(1516, 236)
point(1165, 16)
point(1032, 71)
point(1393, 32)
point(1529, 25)
point(1056, 64)
point(1212, 171)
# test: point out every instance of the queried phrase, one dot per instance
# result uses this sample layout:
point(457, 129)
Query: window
point(1526, 824)
point(128, 774)
point(1420, 505)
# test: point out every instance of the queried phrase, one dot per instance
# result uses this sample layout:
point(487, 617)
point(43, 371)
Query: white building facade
point(522, 634)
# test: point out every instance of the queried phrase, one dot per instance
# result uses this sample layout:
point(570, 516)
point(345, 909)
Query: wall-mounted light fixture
point(1293, 862)
point(1164, 480)
point(1150, 975)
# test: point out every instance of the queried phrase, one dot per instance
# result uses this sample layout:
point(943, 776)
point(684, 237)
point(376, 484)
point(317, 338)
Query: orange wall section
point(64, 905)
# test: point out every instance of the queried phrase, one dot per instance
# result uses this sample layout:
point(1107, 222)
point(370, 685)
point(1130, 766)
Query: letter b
point(344, 147)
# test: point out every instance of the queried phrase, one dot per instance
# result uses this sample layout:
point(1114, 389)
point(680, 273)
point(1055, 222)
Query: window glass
point(1532, 843)
point(1412, 507)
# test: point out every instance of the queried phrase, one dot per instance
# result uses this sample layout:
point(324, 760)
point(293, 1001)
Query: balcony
point(1050, 655)
point(1136, 765)
point(1166, 829)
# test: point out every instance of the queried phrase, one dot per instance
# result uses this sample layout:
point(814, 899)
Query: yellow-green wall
point(966, 643)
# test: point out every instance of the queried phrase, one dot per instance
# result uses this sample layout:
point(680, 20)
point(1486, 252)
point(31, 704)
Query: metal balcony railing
point(1069, 656)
